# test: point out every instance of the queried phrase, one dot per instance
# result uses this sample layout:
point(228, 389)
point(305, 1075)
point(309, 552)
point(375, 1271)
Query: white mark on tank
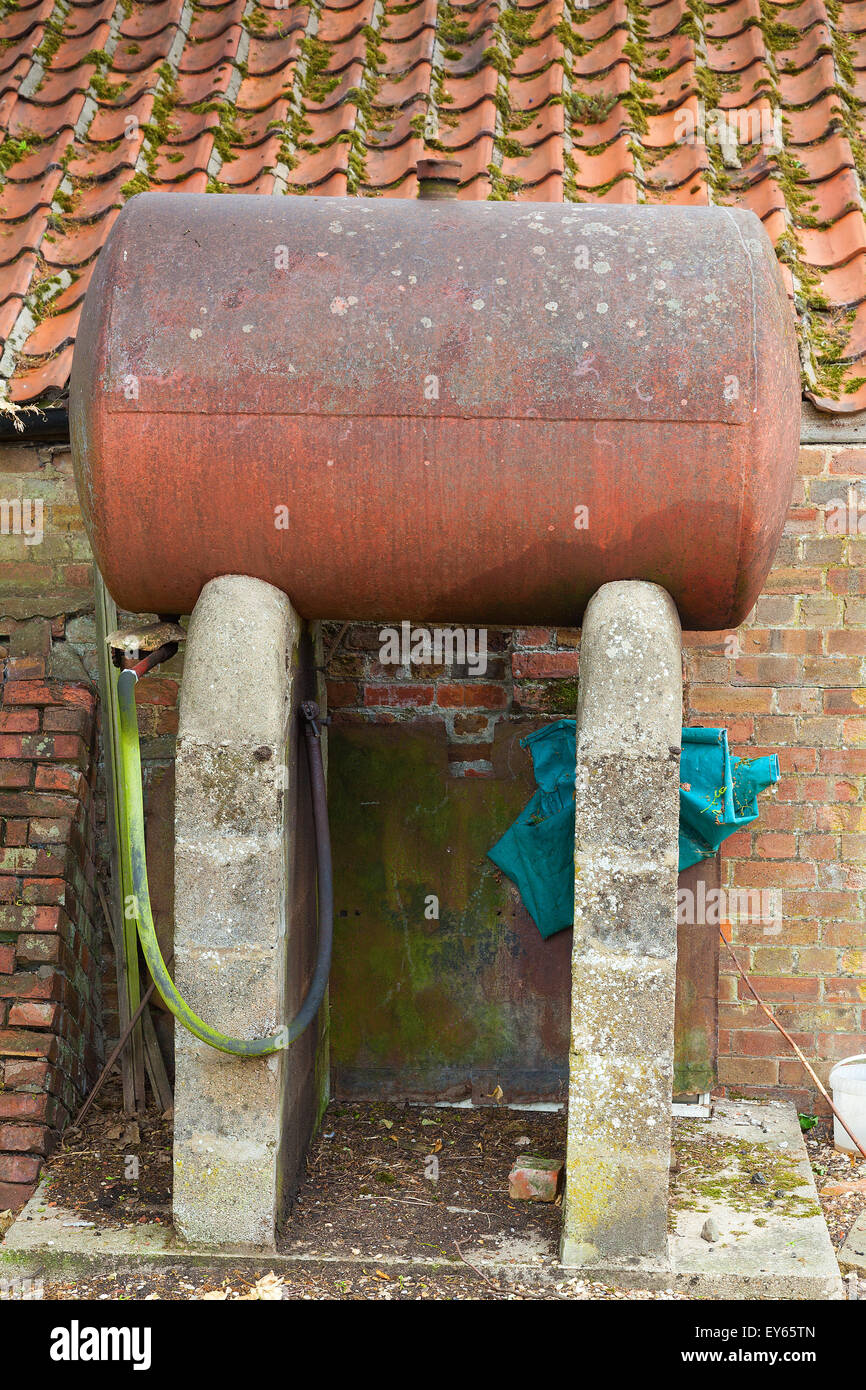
point(585, 368)
point(601, 308)
point(338, 306)
point(247, 328)
point(601, 268)
point(195, 333)
point(477, 304)
point(538, 251)
point(501, 280)
point(426, 323)
point(641, 395)
point(336, 228)
point(551, 306)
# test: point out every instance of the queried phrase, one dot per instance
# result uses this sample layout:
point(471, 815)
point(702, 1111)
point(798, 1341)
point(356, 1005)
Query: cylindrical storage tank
point(475, 412)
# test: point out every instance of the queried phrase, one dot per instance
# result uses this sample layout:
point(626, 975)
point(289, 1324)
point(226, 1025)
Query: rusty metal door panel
point(450, 1008)
point(444, 1008)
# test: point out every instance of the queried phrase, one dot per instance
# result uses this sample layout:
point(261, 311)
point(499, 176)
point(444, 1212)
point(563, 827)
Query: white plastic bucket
point(848, 1082)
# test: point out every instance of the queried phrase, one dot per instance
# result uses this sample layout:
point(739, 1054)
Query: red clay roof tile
point(739, 102)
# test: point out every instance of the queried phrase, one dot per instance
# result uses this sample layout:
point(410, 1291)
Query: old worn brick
point(535, 1179)
point(478, 696)
point(402, 695)
point(27, 1074)
point(20, 1168)
point(33, 1014)
point(548, 665)
point(23, 1138)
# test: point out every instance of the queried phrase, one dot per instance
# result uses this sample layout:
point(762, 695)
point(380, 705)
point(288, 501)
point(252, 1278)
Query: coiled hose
point(132, 821)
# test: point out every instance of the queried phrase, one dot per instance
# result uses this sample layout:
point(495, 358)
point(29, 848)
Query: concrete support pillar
point(629, 721)
point(245, 913)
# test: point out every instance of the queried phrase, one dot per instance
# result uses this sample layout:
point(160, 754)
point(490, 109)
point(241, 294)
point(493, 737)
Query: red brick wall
point(53, 577)
point(530, 671)
point(797, 688)
point(50, 1041)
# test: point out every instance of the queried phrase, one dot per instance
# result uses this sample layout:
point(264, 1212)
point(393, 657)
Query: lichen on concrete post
point(629, 722)
point(244, 912)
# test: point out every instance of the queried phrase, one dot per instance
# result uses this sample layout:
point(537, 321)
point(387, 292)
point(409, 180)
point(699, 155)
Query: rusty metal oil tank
point(475, 412)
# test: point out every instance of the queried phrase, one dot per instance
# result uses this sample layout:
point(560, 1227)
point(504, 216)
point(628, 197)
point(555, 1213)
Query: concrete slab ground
point(747, 1171)
point(746, 1168)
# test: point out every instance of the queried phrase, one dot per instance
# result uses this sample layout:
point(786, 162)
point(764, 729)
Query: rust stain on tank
point(428, 393)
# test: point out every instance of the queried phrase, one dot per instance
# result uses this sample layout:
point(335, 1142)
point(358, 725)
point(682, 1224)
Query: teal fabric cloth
point(718, 795)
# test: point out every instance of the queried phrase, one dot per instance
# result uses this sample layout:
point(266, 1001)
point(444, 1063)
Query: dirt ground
point(406, 1180)
point(382, 1181)
point(832, 1167)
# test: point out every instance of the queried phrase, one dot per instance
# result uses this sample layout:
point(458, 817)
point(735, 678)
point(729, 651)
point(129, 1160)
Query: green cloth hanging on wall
point(718, 795)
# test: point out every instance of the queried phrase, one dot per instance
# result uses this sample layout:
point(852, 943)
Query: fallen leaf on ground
point(269, 1288)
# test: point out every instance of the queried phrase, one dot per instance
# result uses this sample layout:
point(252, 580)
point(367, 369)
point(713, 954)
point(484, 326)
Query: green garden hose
point(132, 822)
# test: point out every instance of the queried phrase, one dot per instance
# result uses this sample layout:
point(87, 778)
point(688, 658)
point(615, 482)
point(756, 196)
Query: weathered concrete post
point(245, 913)
point(629, 721)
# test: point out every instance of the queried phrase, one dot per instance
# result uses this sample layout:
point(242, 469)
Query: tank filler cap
point(129, 644)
